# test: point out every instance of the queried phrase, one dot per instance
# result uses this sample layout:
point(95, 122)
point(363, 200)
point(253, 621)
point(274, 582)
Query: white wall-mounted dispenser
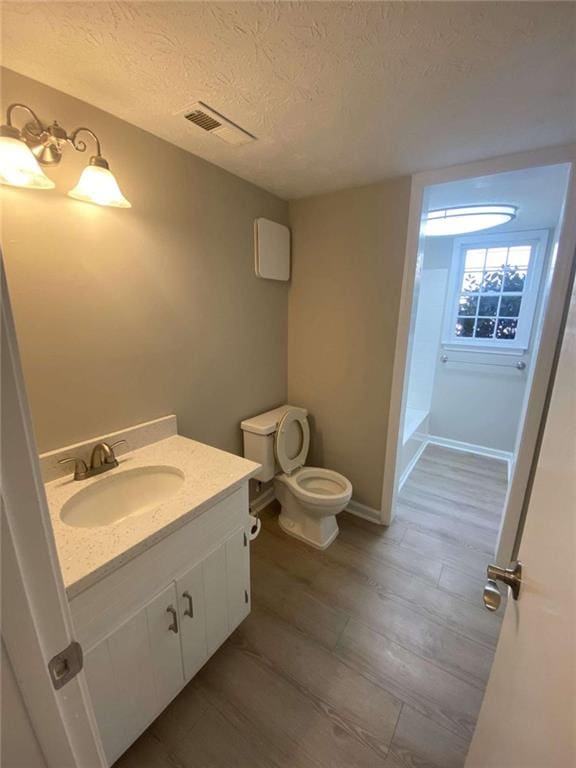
point(271, 250)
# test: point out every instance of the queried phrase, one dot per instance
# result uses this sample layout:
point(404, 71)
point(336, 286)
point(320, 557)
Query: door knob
point(512, 577)
point(492, 597)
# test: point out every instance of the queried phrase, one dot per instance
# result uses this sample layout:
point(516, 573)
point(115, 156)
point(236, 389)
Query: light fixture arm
point(79, 145)
point(47, 141)
point(9, 129)
point(18, 105)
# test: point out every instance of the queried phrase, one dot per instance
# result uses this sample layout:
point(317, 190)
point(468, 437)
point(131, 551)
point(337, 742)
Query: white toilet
point(310, 497)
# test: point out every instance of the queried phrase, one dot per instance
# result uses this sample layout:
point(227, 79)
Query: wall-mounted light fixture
point(23, 152)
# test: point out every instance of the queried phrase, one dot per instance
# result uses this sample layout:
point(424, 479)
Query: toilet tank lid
point(267, 423)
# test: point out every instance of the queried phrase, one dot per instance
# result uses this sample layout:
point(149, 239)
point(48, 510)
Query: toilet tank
point(259, 432)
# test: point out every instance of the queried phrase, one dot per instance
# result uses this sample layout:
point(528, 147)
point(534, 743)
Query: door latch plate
point(66, 665)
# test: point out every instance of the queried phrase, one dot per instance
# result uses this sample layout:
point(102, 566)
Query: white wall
point(476, 404)
point(426, 341)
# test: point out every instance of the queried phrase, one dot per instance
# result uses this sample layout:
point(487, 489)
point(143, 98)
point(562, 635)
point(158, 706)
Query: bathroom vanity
point(156, 591)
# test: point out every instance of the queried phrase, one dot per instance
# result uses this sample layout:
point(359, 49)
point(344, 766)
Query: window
point(493, 290)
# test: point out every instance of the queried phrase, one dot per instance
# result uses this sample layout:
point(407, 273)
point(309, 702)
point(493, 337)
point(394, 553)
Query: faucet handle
point(80, 468)
point(111, 458)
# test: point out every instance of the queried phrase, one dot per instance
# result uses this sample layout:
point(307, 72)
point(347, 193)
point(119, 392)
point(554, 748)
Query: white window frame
point(538, 239)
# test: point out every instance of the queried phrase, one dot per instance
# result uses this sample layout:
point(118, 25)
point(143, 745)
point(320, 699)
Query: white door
point(36, 617)
point(190, 588)
point(528, 717)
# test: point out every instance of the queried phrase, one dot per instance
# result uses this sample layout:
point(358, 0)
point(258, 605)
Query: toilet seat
point(286, 462)
point(319, 487)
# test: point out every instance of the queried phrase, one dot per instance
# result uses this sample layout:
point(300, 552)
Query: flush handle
point(512, 577)
point(190, 611)
point(174, 624)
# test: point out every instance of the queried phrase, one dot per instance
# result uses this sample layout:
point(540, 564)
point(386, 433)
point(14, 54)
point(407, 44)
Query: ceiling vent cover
point(213, 122)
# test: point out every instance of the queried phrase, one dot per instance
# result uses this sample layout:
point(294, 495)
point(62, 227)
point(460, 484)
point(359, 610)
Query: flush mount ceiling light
point(23, 152)
point(467, 218)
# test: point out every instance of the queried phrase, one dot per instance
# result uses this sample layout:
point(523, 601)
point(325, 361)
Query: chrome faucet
point(102, 459)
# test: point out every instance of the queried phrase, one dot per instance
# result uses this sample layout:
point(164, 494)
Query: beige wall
point(348, 254)
point(126, 315)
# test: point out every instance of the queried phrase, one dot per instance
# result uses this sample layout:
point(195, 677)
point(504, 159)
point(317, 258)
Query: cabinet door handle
point(246, 596)
point(190, 611)
point(174, 625)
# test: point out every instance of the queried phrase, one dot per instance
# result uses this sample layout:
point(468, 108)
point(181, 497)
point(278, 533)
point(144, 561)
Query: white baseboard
point(481, 450)
point(365, 512)
point(412, 463)
point(510, 469)
point(262, 501)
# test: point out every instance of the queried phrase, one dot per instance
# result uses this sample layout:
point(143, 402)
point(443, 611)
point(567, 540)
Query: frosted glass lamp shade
point(19, 167)
point(97, 184)
point(463, 219)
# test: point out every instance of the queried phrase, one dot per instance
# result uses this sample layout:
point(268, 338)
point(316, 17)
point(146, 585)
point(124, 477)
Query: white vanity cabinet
point(148, 627)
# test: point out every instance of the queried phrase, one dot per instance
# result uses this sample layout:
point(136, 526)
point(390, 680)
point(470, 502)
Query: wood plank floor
point(373, 653)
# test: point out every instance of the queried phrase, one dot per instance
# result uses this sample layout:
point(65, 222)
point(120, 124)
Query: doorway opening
point(479, 353)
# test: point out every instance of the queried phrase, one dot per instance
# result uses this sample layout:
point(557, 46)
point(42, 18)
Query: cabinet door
point(192, 612)
point(215, 598)
point(238, 578)
point(164, 628)
point(120, 678)
point(134, 672)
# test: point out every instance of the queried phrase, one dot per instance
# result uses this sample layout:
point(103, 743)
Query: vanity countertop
point(86, 555)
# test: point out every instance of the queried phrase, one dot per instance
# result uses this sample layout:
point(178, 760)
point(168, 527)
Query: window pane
point(519, 255)
point(496, 258)
point(467, 305)
point(485, 328)
point(506, 329)
point(488, 306)
point(464, 326)
point(492, 281)
point(471, 282)
point(510, 306)
point(514, 279)
point(475, 258)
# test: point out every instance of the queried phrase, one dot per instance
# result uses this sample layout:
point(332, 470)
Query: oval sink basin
point(117, 496)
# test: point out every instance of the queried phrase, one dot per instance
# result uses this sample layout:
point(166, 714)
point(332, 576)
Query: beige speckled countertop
point(87, 554)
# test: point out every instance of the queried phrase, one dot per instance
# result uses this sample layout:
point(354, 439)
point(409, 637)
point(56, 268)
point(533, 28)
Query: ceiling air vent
point(213, 122)
point(203, 120)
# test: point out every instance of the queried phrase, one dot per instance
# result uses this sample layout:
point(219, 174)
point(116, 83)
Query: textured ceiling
point(338, 94)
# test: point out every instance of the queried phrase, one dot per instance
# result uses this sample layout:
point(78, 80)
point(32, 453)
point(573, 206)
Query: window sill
point(483, 350)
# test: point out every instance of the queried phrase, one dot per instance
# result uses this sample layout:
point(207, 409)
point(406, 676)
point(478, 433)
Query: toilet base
point(319, 533)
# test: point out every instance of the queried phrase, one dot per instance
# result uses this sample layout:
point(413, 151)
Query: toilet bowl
point(310, 497)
